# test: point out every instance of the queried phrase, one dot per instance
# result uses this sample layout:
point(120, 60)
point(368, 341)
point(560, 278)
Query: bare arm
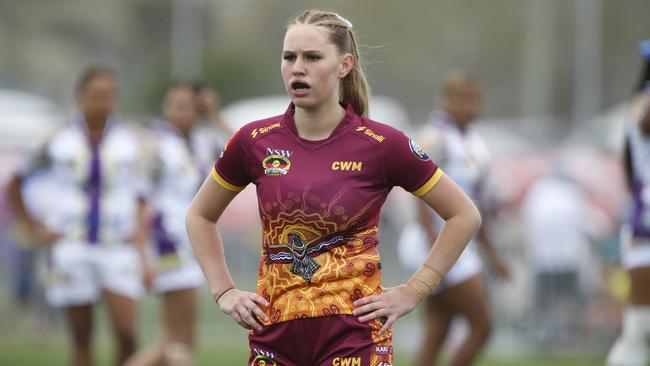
point(644, 122)
point(140, 239)
point(14, 189)
point(36, 230)
point(485, 239)
point(426, 221)
point(462, 219)
point(201, 219)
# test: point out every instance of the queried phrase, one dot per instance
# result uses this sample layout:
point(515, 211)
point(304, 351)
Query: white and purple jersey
point(177, 167)
point(462, 155)
point(97, 185)
point(638, 145)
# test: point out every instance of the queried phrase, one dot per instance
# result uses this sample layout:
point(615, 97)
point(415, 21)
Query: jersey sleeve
point(433, 142)
point(36, 160)
point(150, 165)
point(231, 170)
point(408, 166)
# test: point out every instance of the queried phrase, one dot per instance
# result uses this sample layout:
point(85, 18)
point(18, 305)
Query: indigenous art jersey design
point(319, 203)
point(176, 168)
point(639, 152)
point(99, 184)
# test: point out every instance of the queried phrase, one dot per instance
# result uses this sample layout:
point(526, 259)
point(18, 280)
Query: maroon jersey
point(319, 202)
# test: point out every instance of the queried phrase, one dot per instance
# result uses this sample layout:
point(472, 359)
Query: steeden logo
point(263, 130)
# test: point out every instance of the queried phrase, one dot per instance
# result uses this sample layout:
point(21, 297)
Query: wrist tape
point(423, 281)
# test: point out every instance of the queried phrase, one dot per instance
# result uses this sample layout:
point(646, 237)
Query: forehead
point(99, 81)
point(303, 37)
point(463, 89)
point(180, 92)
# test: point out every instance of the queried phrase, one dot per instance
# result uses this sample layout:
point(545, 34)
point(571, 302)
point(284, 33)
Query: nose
point(298, 67)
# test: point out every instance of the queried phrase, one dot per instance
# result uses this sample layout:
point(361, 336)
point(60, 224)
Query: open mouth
point(299, 86)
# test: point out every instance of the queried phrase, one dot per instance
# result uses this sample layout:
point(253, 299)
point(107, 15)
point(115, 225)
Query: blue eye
point(289, 57)
point(313, 57)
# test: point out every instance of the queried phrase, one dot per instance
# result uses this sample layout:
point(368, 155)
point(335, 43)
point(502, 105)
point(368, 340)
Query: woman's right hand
point(244, 307)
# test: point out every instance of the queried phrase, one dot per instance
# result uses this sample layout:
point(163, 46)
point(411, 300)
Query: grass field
point(222, 343)
point(29, 338)
point(55, 355)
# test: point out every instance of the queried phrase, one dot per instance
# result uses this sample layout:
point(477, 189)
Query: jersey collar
point(350, 120)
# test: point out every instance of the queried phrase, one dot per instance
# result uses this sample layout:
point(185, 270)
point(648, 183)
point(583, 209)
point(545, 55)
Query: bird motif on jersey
point(300, 252)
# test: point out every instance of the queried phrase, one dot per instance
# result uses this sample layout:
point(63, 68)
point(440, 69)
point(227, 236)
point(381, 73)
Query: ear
point(346, 64)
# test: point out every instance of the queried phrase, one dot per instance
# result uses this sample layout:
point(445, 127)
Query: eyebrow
point(301, 51)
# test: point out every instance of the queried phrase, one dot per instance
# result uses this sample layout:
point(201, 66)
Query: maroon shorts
point(339, 340)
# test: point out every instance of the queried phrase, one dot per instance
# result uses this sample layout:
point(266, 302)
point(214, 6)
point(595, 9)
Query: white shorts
point(186, 277)
point(635, 252)
point(413, 248)
point(468, 265)
point(79, 272)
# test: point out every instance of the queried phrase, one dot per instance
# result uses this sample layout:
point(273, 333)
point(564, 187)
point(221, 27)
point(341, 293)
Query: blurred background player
point(463, 155)
point(179, 161)
point(559, 225)
point(95, 234)
point(631, 348)
point(209, 106)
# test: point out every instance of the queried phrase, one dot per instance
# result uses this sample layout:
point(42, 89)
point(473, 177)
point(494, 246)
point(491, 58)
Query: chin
point(302, 103)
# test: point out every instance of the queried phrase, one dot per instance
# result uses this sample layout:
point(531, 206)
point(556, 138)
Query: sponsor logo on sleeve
point(418, 151)
point(368, 132)
point(263, 130)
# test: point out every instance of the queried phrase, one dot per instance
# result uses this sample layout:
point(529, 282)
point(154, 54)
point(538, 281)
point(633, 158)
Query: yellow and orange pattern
point(347, 271)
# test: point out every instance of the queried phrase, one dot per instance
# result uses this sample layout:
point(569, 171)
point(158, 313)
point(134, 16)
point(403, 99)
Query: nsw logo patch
point(418, 151)
point(276, 165)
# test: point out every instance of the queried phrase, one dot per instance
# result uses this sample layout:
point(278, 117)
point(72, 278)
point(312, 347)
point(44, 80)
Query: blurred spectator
point(463, 156)
point(632, 348)
point(556, 218)
point(179, 161)
point(214, 129)
point(94, 234)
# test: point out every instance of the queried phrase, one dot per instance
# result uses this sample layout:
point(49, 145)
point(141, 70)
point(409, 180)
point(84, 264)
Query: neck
point(462, 126)
point(181, 129)
point(95, 127)
point(319, 123)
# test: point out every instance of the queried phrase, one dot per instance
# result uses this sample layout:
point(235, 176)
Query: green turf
point(30, 340)
point(56, 355)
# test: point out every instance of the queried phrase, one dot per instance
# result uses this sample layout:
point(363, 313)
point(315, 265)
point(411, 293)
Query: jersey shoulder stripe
point(429, 184)
point(224, 183)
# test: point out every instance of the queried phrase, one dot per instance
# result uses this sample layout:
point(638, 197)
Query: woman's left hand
point(392, 303)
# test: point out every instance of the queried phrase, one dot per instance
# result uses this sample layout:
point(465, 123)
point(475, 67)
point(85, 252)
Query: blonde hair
point(354, 87)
